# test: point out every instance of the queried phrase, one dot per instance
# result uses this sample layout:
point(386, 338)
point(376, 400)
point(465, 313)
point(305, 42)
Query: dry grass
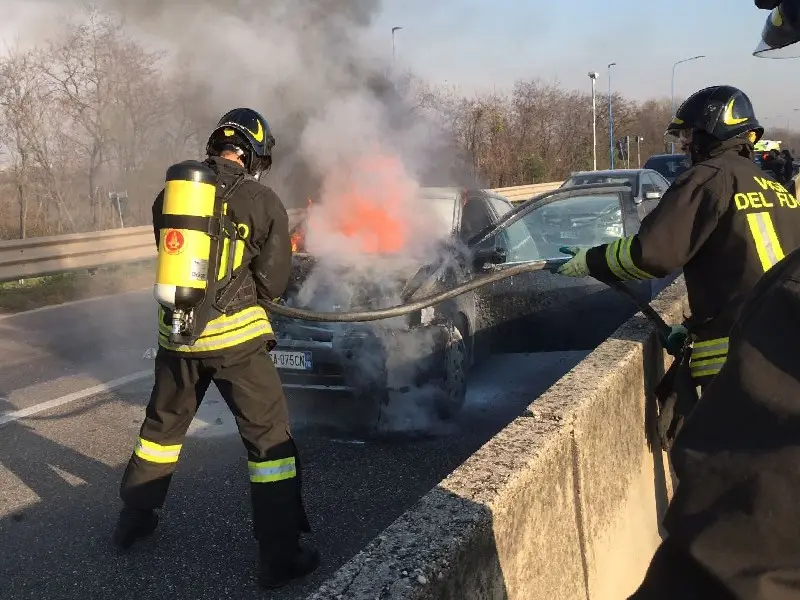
point(57, 289)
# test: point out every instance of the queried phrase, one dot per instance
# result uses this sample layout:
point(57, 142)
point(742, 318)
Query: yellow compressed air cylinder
point(184, 253)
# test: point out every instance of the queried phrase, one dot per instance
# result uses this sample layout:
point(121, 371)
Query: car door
point(541, 311)
point(481, 212)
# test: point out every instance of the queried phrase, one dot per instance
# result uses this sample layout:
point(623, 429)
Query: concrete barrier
point(565, 503)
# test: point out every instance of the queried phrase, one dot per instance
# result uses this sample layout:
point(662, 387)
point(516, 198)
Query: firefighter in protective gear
point(233, 352)
point(724, 221)
point(732, 525)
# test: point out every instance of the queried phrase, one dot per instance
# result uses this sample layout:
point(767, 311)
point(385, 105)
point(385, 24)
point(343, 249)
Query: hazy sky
point(485, 44)
point(481, 43)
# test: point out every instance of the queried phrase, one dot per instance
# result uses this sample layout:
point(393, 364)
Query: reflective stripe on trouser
point(249, 384)
point(223, 332)
point(708, 357)
point(768, 246)
point(620, 262)
point(272, 470)
point(156, 453)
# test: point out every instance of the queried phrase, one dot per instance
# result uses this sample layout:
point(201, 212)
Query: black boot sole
point(294, 574)
point(125, 537)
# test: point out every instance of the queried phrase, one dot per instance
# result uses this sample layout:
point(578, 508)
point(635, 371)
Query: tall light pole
point(610, 118)
point(593, 76)
point(394, 29)
point(672, 94)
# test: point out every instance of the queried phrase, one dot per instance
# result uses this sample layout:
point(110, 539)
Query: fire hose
point(480, 281)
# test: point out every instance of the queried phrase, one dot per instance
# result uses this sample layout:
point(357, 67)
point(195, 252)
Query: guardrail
point(51, 255)
point(521, 193)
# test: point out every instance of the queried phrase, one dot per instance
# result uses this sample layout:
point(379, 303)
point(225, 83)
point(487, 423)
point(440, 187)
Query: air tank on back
point(184, 249)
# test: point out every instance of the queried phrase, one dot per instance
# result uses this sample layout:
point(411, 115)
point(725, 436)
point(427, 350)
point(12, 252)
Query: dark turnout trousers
point(249, 384)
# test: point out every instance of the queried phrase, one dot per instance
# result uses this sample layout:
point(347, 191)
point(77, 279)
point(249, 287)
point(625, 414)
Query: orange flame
point(366, 202)
point(298, 237)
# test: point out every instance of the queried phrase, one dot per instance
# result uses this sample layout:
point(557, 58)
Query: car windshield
point(444, 207)
point(591, 178)
point(669, 166)
point(584, 220)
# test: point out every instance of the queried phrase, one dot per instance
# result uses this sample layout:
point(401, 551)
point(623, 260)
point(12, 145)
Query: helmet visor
point(680, 137)
point(780, 34)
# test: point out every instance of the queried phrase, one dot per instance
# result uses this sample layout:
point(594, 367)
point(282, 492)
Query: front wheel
point(452, 387)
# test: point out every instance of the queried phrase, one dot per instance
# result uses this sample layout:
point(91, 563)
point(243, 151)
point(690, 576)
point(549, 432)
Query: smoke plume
point(348, 137)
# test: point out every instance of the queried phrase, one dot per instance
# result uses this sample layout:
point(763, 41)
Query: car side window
point(661, 183)
point(474, 217)
point(648, 185)
point(518, 243)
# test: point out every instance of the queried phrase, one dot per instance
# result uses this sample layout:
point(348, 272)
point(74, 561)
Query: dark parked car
point(648, 186)
point(529, 312)
point(668, 165)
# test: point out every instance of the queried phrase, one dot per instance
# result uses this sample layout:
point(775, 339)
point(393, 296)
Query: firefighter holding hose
point(224, 248)
point(724, 221)
point(733, 527)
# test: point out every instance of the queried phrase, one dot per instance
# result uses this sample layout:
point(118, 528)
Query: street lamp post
point(593, 76)
point(394, 30)
point(610, 119)
point(639, 140)
point(672, 93)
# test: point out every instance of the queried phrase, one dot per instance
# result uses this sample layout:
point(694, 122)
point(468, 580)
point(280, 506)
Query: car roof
point(609, 172)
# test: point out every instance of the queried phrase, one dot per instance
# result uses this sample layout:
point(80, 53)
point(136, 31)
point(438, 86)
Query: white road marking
point(70, 303)
point(10, 417)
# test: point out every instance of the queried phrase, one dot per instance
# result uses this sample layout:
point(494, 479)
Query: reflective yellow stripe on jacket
point(708, 357)
point(620, 262)
point(223, 332)
point(768, 246)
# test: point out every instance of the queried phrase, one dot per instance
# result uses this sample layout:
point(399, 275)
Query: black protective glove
point(676, 395)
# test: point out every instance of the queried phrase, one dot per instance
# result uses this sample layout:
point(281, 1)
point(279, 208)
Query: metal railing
point(52, 255)
point(521, 193)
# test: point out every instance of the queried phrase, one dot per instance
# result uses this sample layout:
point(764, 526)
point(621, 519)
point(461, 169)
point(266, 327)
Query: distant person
point(788, 168)
point(775, 165)
point(723, 221)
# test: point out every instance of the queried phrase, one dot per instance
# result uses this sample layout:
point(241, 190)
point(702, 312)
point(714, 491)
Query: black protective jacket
point(734, 522)
point(267, 246)
point(725, 222)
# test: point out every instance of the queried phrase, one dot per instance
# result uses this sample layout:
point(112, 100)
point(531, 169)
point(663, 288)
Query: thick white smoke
point(346, 138)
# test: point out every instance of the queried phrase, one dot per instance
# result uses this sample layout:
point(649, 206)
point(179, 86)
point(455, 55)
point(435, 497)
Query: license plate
point(299, 361)
point(569, 235)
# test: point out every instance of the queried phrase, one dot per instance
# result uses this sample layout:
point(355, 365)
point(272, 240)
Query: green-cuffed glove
point(576, 267)
point(676, 339)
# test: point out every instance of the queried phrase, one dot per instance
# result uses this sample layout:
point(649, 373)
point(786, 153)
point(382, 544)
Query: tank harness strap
point(212, 226)
point(230, 291)
point(226, 294)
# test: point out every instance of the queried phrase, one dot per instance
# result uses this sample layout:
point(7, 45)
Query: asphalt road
point(60, 467)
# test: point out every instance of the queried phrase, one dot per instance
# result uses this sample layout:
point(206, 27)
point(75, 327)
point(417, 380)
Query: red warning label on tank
point(173, 241)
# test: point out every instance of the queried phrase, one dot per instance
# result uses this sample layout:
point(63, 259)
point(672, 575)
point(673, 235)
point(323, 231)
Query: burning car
point(429, 351)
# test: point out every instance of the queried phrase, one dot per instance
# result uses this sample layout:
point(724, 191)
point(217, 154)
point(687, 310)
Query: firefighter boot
point(133, 524)
point(280, 568)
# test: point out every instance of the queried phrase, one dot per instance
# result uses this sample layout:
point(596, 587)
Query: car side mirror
point(492, 256)
point(652, 196)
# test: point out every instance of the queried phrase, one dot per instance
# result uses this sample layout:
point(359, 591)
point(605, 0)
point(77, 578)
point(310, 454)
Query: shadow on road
point(68, 466)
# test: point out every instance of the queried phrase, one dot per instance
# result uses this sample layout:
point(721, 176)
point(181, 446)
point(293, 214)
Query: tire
point(452, 392)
